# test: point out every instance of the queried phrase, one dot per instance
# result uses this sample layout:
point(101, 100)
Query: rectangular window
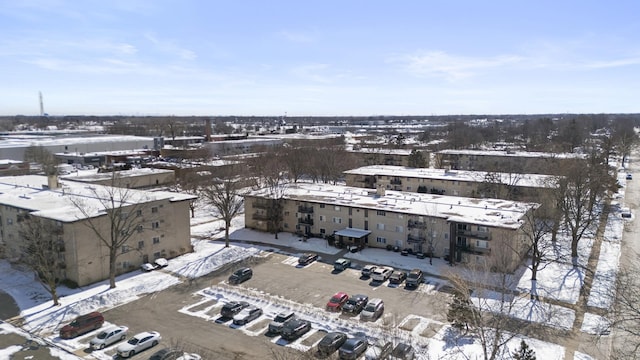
point(336, 208)
point(380, 226)
point(381, 240)
point(126, 264)
point(9, 221)
point(156, 255)
point(140, 228)
point(321, 206)
point(399, 229)
point(350, 211)
point(322, 231)
point(286, 226)
point(124, 249)
point(337, 220)
point(155, 225)
point(138, 212)
point(286, 213)
point(154, 210)
point(381, 213)
point(322, 218)
point(483, 229)
point(140, 244)
point(156, 240)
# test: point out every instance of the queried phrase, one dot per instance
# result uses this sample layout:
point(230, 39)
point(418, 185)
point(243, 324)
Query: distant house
point(164, 229)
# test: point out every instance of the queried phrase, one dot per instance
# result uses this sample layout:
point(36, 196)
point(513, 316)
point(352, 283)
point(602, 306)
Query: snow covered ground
point(558, 281)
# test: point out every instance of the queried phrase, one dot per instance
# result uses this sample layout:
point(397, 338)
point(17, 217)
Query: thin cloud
point(313, 72)
point(171, 48)
point(296, 37)
point(451, 67)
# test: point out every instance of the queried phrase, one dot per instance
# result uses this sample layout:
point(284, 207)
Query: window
point(126, 264)
point(140, 228)
point(286, 213)
point(380, 226)
point(350, 211)
point(154, 210)
point(399, 229)
point(321, 206)
point(381, 240)
point(337, 220)
point(286, 226)
point(156, 255)
point(322, 218)
point(125, 249)
point(9, 221)
point(141, 244)
point(483, 229)
point(400, 216)
point(336, 208)
point(156, 240)
point(381, 213)
point(155, 225)
point(322, 231)
point(138, 212)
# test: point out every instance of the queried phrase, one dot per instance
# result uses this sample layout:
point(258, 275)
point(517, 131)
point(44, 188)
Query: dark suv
point(82, 325)
point(331, 342)
point(355, 304)
point(414, 278)
point(232, 308)
point(240, 275)
point(295, 328)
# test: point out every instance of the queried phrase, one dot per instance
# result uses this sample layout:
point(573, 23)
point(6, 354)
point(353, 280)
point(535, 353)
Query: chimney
point(380, 190)
point(52, 181)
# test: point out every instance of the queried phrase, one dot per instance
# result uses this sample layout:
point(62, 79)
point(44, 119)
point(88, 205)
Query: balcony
point(260, 216)
point(396, 181)
point(412, 239)
point(474, 234)
point(413, 224)
point(261, 204)
point(474, 249)
point(305, 221)
point(305, 209)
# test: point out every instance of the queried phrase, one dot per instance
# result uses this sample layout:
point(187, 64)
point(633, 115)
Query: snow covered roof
point(353, 233)
point(96, 176)
point(512, 153)
point(30, 192)
point(14, 142)
point(486, 212)
point(404, 152)
point(529, 180)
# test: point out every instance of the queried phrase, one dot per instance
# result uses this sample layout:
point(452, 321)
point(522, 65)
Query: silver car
point(109, 336)
point(138, 343)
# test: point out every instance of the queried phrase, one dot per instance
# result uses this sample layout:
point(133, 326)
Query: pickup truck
point(381, 273)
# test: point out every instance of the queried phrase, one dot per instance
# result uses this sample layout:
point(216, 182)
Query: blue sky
point(326, 57)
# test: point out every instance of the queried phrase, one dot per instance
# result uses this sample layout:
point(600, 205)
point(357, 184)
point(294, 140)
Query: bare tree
point(42, 247)
point(536, 229)
point(42, 156)
point(625, 315)
point(224, 193)
point(115, 219)
point(270, 173)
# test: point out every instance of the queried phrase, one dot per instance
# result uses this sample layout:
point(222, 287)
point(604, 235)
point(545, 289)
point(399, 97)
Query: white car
point(109, 336)
point(381, 273)
point(158, 263)
point(140, 342)
point(247, 314)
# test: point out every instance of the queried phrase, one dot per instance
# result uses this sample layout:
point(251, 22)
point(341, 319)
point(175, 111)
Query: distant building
point(244, 146)
point(465, 230)
point(144, 178)
point(505, 161)
point(13, 167)
point(508, 186)
point(165, 217)
point(393, 157)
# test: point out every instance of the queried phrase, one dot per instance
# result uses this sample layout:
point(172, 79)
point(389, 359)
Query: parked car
point(341, 264)
point(247, 314)
point(276, 325)
point(629, 177)
point(295, 328)
point(420, 255)
point(138, 343)
point(157, 264)
point(240, 275)
point(397, 277)
point(414, 278)
point(108, 337)
point(82, 325)
point(331, 342)
point(379, 351)
point(403, 351)
point(337, 301)
point(231, 308)
point(367, 270)
point(373, 310)
point(352, 349)
point(307, 258)
point(355, 304)
point(381, 273)
point(166, 354)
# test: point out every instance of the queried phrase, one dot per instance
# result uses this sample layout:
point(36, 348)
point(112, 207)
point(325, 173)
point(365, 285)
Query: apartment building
point(143, 178)
point(465, 230)
point(510, 186)
point(505, 161)
point(161, 226)
point(394, 157)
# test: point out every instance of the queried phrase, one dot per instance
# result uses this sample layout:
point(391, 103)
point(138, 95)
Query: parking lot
point(189, 313)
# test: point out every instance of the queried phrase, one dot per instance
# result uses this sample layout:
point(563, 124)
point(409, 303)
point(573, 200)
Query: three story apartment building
point(465, 230)
point(158, 223)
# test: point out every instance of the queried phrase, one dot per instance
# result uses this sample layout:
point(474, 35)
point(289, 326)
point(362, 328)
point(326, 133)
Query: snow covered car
point(158, 263)
point(138, 343)
point(108, 337)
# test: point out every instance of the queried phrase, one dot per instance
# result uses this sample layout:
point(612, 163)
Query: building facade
point(158, 223)
point(459, 229)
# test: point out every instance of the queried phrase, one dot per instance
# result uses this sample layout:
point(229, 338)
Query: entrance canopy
point(352, 233)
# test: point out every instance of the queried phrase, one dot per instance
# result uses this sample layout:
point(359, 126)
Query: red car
point(337, 300)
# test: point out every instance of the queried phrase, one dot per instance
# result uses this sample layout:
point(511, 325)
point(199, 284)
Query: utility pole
point(41, 104)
